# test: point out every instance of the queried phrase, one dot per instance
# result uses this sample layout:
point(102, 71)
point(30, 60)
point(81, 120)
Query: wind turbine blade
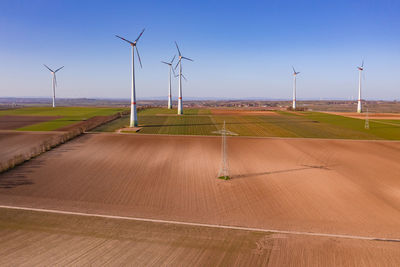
point(166, 63)
point(124, 39)
point(293, 69)
point(297, 72)
point(140, 61)
point(183, 76)
point(137, 39)
point(187, 58)
point(173, 71)
point(362, 65)
point(179, 51)
point(59, 69)
point(173, 59)
point(177, 63)
point(48, 68)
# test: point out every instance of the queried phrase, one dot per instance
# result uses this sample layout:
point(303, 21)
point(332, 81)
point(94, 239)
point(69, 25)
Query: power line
point(224, 170)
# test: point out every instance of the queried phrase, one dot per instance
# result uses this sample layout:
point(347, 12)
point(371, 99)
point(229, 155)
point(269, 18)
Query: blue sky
point(240, 49)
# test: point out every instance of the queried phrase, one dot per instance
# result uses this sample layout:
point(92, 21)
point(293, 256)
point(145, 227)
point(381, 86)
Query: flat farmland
point(50, 119)
point(379, 116)
point(297, 250)
point(326, 186)
point(17, 144)
point(45, 239)
point(41, 238)
point(10, 122)
point(260, 124)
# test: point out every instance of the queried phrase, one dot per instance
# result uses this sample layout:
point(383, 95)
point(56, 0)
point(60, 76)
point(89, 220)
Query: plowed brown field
point(328, 186)
point(14, 144)
point(48, 239)
point(296, 250)
point(42, 239)
point(9, 122)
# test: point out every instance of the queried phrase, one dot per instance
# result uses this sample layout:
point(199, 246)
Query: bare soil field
point(43, 239)
point(18, 144)
point(326, 186)
point(10, 122)
point(40, 238)
point(242, 112)
point(300, 250)
point(377, 116)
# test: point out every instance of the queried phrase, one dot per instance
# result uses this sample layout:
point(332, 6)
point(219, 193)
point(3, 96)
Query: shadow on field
point(305, 167)
point(19, 176)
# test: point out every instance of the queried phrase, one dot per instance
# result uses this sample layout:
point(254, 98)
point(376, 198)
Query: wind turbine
point(294, 88)
point(54, 82)
point(169, 87)
point(360, 69)
point(133, 122)
point(180, 110)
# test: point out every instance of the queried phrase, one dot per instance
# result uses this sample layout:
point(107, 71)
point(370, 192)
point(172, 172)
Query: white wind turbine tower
point(169, 86)
point(180, 110)
point(294, 87)
point(133, 122)
point(54, 82)
point(360, 69)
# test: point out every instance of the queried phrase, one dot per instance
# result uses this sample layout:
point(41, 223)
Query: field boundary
point(251, 229)
point(41, 148)
point(68, 133)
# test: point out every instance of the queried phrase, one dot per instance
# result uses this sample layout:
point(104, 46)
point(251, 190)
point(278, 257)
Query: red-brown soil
point(45, 239)
point(9, 122)
point(48, 239)
point(16, 145)
point(329, 186)
point(299, 250)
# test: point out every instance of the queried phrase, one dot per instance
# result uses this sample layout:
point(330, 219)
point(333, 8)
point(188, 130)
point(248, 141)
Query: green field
point(70, 115)
point(165, 121)
point(280, 124)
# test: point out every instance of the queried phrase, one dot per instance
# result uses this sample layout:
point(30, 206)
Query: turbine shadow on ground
point(305, 167)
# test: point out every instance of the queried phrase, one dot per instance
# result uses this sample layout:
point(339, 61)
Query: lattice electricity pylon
point(224, 170)
point(366, 120)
